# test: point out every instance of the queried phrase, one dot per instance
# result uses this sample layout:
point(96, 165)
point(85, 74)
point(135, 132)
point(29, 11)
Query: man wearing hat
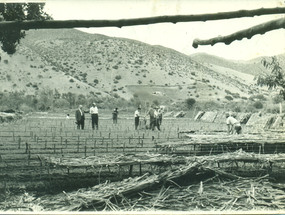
point(233, 124)
point(94, 116)
point(80, 117)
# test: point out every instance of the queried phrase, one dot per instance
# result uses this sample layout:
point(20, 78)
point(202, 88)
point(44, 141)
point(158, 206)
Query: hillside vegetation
point(74, 62)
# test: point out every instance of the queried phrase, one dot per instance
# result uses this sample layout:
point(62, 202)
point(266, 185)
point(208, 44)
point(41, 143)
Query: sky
point(181, 35)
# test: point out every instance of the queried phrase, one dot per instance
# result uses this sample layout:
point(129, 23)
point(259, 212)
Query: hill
point(253, 67)
point(69, 60)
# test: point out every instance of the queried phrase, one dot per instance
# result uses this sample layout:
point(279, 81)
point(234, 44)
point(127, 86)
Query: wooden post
point(54, 148)
point(94, 147)
point(109, 135)
point(85, 150)
point(13, 136)
point(131, 170)
point(19, 142)
point(45, 144)
point(140, 169)
point(29, 155)
point(27, 146)
point(78, 142)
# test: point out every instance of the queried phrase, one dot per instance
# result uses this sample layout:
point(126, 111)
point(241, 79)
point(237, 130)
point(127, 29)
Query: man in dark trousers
point(94, 116)
point(115, 115)
point(152, 119)
point(137, 118)
point(80, 117)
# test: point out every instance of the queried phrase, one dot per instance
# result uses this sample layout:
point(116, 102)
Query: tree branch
point(246, 33)
point(53, 24)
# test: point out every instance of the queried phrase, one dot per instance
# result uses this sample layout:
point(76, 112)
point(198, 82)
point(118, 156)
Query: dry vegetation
point(49, 165)
point(105, 65)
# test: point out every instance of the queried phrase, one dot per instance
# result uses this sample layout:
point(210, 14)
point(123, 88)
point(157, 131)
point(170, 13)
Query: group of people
point(80, 116)
point(155, 117)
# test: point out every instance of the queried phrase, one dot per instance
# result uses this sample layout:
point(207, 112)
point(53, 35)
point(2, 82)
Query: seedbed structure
point(49, 154)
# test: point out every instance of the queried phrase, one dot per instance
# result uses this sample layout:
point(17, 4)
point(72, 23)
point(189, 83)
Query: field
point(45, 160)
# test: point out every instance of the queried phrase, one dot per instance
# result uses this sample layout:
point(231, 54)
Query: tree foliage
point(18, 12)
point(190, 102)
point(275, 79)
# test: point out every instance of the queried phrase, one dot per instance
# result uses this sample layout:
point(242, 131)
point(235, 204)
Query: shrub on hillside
point(228, 92)
point(118, 77)
point(96, 81)
point(229, 98)
point(190, 102)
point(258, 105)
point(258, 97)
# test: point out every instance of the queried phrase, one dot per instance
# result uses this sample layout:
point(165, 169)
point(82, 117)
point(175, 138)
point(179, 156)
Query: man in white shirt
point(233, 124)
point(137, 118)
point(94, 116)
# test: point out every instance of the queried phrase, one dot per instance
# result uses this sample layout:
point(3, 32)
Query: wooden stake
point(19, 142)
point(27, 148)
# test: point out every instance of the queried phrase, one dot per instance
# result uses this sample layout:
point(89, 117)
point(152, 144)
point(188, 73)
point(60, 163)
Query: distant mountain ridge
point(253, 67)
point(69, 60)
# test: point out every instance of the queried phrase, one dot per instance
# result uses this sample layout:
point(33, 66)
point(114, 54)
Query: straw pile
point(196, 186)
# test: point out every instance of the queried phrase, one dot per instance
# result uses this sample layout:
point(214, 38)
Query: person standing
point(233, 124)
point(160, 112)
point(80, 117)
point(115, 115)
point(151, 118)
point(137, 118)
point(94, 116)
point(156, 118)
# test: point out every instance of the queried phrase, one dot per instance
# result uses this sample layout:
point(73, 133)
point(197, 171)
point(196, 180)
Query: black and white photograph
point(142, 106)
